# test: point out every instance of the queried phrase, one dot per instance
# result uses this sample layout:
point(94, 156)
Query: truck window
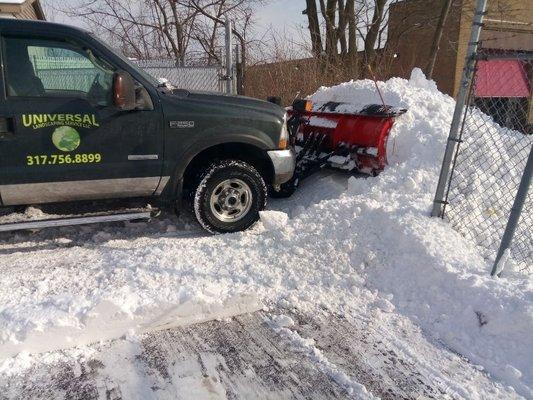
point(47, 68)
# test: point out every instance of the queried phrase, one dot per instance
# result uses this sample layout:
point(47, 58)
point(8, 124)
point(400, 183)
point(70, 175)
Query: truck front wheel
point(229, 196)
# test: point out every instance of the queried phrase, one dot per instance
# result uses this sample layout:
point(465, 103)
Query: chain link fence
point(79, 74)
point(489, 158)
point(206, 78)
point(494, 145)
point(64, 73)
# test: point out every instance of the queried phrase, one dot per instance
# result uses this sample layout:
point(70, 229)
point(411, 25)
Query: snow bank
point(436, 277)
point(483, 182)
point(371, 247)
point(106, 321)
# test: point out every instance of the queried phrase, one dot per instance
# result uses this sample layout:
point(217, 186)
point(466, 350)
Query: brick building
point(508, 26)
point(21, 9)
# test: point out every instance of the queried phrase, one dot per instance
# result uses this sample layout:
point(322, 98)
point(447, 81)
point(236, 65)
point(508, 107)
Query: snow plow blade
point(338, 135)
point(342, 134)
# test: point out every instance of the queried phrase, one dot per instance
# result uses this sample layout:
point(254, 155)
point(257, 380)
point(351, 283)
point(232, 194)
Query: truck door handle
point(7, 126)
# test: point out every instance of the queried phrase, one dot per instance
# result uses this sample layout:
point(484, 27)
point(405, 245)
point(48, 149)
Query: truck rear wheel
point(229, 196)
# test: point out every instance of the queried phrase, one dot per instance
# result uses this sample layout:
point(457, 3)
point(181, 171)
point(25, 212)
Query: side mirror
point(124, 91)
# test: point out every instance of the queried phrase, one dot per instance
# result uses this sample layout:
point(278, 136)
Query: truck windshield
point(140, 71)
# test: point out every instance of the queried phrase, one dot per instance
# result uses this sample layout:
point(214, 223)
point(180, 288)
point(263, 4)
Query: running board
point(71, 221)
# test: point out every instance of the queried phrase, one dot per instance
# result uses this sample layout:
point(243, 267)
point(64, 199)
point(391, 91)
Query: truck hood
point(233, 101)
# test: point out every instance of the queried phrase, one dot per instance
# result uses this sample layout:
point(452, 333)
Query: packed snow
point(366, 245)
point(281, 325)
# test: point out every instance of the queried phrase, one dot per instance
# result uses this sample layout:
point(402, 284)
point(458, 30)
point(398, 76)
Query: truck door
point(61, 137)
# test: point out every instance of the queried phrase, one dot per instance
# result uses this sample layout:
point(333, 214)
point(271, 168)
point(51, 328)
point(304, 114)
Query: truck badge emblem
point(181, 124)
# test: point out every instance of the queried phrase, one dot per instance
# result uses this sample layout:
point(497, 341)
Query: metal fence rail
point(486, 173)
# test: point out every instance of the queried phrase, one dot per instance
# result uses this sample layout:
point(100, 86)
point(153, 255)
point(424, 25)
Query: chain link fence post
point(516, 212)
point(439, 202)
point(229, 57)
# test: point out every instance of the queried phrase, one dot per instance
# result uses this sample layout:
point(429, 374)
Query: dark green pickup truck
point(80, 122)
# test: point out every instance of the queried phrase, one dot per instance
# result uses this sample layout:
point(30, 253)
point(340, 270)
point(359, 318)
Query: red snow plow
point(338, 135)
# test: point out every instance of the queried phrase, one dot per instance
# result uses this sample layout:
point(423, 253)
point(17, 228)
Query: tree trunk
point(352, 28)
point(341, 30)
point(373, 30)
point(241, 89)
point(314, 27)
point(437, 38)
point(329, 11)
point(352, 38)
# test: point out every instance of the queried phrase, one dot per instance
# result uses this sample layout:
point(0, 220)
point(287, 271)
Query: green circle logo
point(66, 138)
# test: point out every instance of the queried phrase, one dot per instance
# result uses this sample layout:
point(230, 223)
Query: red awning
point(502, 78)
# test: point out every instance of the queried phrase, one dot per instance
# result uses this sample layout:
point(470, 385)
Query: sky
point(279, 15)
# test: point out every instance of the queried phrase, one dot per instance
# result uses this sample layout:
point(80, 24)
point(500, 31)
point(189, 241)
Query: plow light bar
point(284, 137)
point(300, 105)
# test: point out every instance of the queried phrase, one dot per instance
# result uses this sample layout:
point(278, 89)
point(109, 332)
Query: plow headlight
point(284, 136)
point(301, 105)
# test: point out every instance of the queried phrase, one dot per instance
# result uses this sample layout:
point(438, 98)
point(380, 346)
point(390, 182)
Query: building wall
point(30, 9)
point(412, 24)
point(508, 25)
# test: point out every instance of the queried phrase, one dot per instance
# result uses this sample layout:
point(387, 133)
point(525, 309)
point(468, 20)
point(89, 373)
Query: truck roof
point(29, 25)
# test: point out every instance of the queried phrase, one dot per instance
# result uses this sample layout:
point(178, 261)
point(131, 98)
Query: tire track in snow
point(263, 355)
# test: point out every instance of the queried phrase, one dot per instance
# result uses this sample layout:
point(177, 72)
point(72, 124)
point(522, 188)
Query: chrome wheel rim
point(231, 200)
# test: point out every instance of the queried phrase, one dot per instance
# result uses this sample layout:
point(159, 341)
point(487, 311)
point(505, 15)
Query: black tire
point(286, 190)
point(229, 196)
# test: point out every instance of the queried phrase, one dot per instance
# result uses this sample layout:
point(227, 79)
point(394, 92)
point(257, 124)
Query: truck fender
point(206, 141)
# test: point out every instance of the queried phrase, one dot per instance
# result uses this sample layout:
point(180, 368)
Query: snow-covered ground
point(350, 246)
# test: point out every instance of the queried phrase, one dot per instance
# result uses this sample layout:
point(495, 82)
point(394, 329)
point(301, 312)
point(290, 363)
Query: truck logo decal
point(181, 124)
point(39, 121)
point(66, 138)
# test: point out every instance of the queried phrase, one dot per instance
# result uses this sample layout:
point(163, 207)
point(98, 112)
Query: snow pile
point(371, 247)
point(274, 220)
point(53, 330)
point(435, 276)
point(31, 213)
point(489, 169)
